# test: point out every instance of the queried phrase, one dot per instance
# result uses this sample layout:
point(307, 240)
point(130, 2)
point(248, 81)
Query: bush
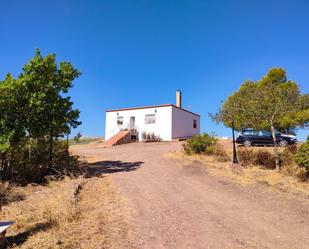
point(261, 157)
point(245, 156)
point(200, 144)
point(264, 158)
point(221, 154)
point(288, 155)
point(293, 170)
point(30, 162)
point(302, 156)
point(6, 193)
point(150, 137)
point(302, 174)
point(291, 149)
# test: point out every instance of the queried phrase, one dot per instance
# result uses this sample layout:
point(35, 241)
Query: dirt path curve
point(179, 206)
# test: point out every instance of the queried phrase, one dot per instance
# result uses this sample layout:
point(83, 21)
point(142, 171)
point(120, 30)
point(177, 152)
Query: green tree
point(296, 119)
point(274, 102)
point(36, 105)
point(77, 137)
point(12, 121)
point(50, 113)
point(11, 113)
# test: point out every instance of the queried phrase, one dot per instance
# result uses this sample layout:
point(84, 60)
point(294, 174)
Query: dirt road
point(181, 206)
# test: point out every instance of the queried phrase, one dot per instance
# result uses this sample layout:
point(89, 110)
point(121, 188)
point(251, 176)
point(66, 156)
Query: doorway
point(132, 123)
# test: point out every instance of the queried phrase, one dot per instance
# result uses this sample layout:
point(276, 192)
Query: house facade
point(166, 122)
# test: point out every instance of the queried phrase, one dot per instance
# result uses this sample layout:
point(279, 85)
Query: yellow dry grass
point(228, 147)
point(73, 213)
point(245, 175)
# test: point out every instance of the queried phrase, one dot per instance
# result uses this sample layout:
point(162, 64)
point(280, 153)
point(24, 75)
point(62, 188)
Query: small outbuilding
point(160, 122)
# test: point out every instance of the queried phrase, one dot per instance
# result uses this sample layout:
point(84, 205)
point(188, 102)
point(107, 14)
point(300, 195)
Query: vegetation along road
point(177, 204)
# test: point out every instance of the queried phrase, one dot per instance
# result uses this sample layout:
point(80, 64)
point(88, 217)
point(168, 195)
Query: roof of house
point(152, 106)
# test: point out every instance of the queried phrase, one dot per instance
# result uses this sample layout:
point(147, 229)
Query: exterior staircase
point(120, 138)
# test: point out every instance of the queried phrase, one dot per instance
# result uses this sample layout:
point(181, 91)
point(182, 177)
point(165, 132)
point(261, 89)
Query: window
point(150, 118)
point(247, 133)
point(256, 133)
point(194, 123)
point(120, 120)
point(267, 133)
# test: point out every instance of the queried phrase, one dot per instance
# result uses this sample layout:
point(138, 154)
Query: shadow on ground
point(108, 167)
point(20, 238)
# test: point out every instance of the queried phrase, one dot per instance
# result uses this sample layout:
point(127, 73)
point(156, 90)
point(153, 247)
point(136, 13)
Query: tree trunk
point(5, 165)
point(234, 146)
point(272, 128)
point(3, 168)
point(6, 169)
point(50, 150)
point(67, 142)
point(2, 163)
point(29, 149)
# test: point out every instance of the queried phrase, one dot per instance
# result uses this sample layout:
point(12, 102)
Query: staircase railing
point(115, 130)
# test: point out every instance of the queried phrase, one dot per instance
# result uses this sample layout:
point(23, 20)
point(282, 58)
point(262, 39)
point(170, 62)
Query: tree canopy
point(273, 102)
point(34, 102)
point(36, 105)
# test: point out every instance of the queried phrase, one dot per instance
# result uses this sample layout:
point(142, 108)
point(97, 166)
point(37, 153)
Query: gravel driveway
point(181, 206)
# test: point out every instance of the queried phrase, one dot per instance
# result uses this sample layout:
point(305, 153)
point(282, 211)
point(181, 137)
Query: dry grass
point(228, 147)
point(73, 213)
point(284, 180)
point(6, 193)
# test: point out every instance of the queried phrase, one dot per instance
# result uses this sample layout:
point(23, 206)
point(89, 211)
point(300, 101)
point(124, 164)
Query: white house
point(164, 121)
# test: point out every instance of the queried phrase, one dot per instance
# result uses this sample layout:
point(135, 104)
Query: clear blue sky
point(134, 53)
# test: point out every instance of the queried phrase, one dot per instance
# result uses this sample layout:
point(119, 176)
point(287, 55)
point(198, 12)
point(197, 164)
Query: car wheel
point(283, 143)
point(247, 143)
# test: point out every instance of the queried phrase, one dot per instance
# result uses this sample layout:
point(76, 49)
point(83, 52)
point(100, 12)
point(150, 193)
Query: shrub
point(6, 193)
point(264, 158)
point(220, 153)
point(261, 157)
point(302, 174)
point(293, 170)
point(302, 156)
point(65, 164)
point(291, 148)
point(144, 136)
point(245, 156)
point(288, 156)
point(30, 163)
point(200, 144)
point(150, 137)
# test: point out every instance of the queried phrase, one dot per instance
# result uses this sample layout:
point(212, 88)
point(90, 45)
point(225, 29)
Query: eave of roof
point(152, 106)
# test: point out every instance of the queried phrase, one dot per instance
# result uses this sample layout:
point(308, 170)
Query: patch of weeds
point(6, 193)
point(264, 158)
point(220, 154)
point(245, 156)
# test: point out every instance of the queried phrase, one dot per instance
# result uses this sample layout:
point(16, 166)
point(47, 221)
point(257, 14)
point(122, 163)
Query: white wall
point(162, 127)
point(182, 123)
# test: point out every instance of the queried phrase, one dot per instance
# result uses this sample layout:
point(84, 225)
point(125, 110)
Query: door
point(267, 137)
point(259, 137)
point(132, 123)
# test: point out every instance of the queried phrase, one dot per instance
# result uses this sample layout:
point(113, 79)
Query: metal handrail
point(115, 130)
